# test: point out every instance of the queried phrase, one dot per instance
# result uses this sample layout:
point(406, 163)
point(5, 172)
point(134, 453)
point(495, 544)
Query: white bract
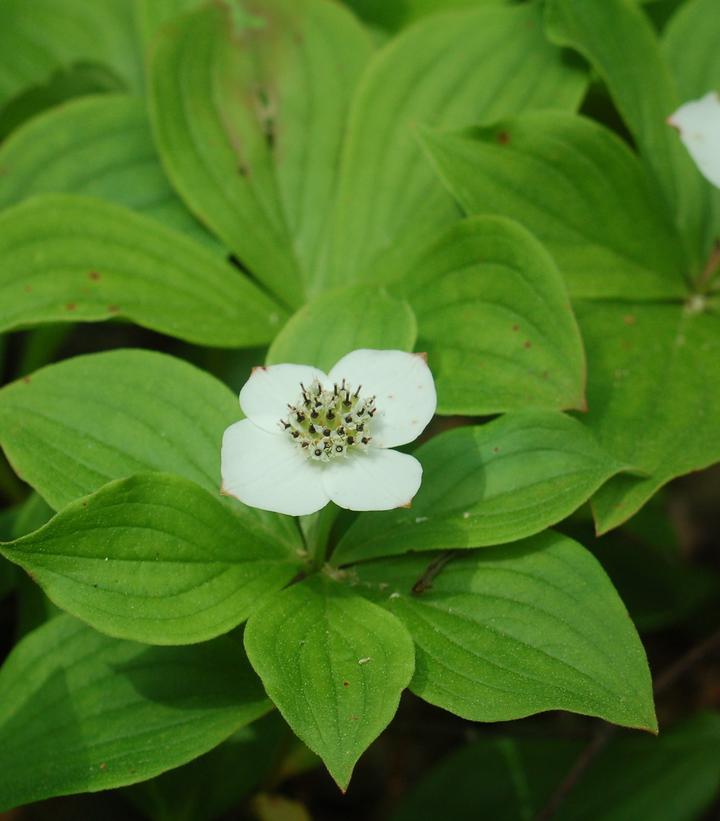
point(699, 125)
point(310, 437)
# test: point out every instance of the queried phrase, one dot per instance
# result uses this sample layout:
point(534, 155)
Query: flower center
point(326, 424)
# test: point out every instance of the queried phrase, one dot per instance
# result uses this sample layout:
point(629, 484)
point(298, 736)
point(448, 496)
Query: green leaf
point(580, 190)
point(68, 258)
point(619, 41)
point(99, 147)
point(341, 321)
point(63, 86)
point(249, 106)
point(399, 14)
point(388, 196)
point(334, 664)
point(100, 713)
point(155, 559)
point(152, 15)
point(37, 40)
point(690, 49)
point(671, 778)
point(510, 631)
point(495, 320)
point(652, 390)
point(214, 784)
point(485, 485)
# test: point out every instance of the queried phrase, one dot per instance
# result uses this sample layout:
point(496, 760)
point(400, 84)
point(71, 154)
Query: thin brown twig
point(712, 265)
point(588, 755)
point(425, 581)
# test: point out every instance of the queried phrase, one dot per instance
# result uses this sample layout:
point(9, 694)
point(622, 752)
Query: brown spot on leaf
point(496, 450)
point(503, 137)
point(94, 275)
point(629, 319)
point(527, 344)
point(26, 380)
point(103, 766)
point(346, 683)
point(516, 327)
point(71, 306)
point(28, 289)
point(114, 309)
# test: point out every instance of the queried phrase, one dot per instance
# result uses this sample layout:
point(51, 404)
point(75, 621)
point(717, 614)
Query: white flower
point(699, 125)
point(310, 438)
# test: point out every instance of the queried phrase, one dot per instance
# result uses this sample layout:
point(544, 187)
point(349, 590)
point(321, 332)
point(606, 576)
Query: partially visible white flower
point(310, 437)
point(699, 125)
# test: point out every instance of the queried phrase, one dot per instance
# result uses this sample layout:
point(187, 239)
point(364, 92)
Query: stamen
point(326, 423)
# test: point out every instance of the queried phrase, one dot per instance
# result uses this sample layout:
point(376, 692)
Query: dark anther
point(361, 427)
point(326, 432)
point(311, 428)
point(357, 392)
point(341, 430)
point(339, 448)
point(284, 424)
point(327, 445)
point(318, 452)
point(350, 440)
point(371, 412)
point(319, 389)
point(295, 434)
point(300, 416)
point(365, 440)
point(348, 419)
point(330, 415)
point(305, 444)
point(314, 414)
point(346, 403)
point(335, 389)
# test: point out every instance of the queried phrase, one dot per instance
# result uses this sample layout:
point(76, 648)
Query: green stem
point(316, 530)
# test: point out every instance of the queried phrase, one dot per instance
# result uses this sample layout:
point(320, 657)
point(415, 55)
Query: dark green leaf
point(671, 778)
point(81, 712)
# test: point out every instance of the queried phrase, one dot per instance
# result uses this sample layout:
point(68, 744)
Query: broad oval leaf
point(398, 15)
point(248, 103)
point(100, 713)
point(618, 39)
point(485, 485)
point(73, 426)
point(341, 321)
point(69, 33)
point(510, 631)
point(68, 258)
point(156, 559)
point(334, 664)
point(496, 322)
point(580, 190)
point(388, 196)
point(98, 147)
point(653, 393)
point(670, 778)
